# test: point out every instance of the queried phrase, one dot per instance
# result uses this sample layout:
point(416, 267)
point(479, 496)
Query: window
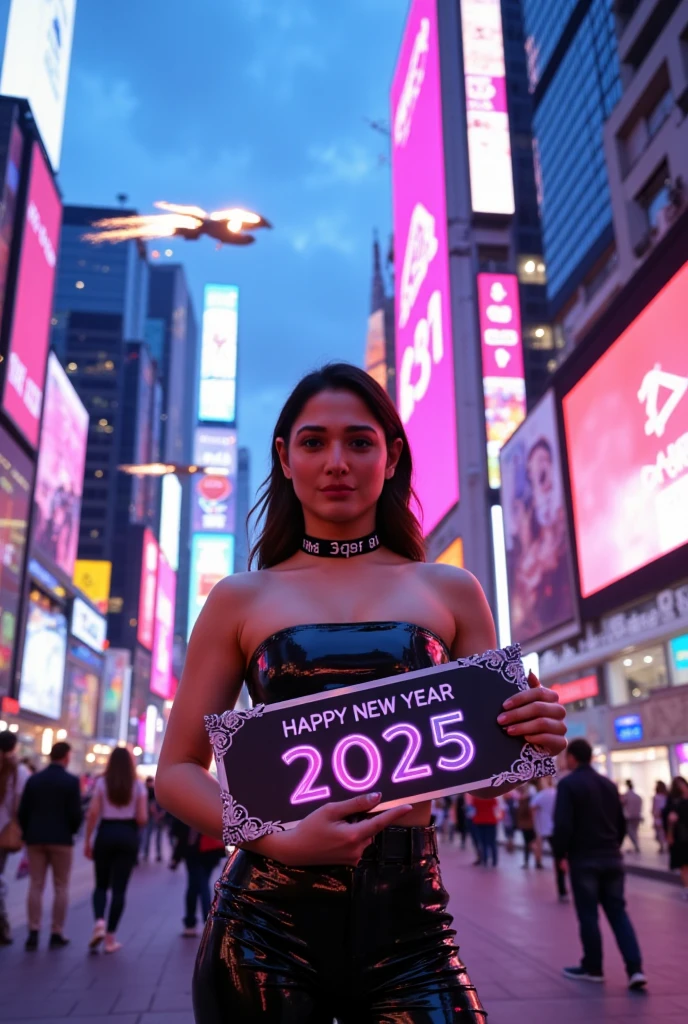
point(655, 195)
point(531, 270)
point(636, 674)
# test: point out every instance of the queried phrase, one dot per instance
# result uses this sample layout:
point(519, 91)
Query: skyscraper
point(379, 351)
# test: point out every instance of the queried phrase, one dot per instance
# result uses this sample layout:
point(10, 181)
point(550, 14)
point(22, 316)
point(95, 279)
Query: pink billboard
point(626, 426)
point(147, 590)
point(424, 349)
point(487, 118)
point(60, 476)
point(29, 338)
point(501, 344)
point(162, 680)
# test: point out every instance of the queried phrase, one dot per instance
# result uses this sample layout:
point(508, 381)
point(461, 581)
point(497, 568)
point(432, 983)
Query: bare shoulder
point(453, 582)
point(229, 603)
point(463, 596)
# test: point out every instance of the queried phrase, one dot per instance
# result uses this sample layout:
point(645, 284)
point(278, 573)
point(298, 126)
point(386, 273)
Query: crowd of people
point(44, 814)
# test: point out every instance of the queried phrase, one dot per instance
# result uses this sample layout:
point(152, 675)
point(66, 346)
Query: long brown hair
point(279, 511)
point(8, 767)
point(120, 776)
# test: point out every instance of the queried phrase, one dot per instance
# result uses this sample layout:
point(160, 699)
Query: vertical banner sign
point(28, 347)
point(213, 507)
point(94, 579)
point(15, 150)
point(212, 558)
point(217, 397)
point(487, 118)
point(161, 681)
point(424, 353)
point(501, 345)
point(149, 575)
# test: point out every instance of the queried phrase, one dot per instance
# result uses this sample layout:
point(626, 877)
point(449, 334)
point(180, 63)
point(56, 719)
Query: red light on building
point(577, 689)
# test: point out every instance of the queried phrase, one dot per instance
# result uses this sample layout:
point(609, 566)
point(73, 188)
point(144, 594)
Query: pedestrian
point(589, 828)
point(50, 816)
point(460, 819)
point(542, 803)
point(155, 824)
point(633, 812)
point(13, 778)
point(676, 825)
point(485, 818)
point(509, 807)
point(201, 855)
point(342, 596)
point(525, 822)
point(118, 809)
point(659, 802)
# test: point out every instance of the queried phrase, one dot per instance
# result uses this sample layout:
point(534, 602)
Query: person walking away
point(510, 805)
point(485, 820)
point(676, 826)
point(633, 811)
point(542, 803)
point(201, 854)
point(525, 822)
point(13, 778)
point(460, 819)
point(659, 802)
point(118, 809)
point(50, 816)
point(589, 828)
point(155, 823)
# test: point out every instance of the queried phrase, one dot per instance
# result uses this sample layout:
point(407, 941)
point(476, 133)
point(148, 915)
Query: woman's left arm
point(535, 713)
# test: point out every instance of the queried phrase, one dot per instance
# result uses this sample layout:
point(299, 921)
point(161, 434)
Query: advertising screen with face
point(212, 558)
point(626, 426)
point(60, 475)
point(149, 577)
point(43, 665)
point(161, 681)
point(28, 346)
point(424, 348)
point(538, 551)
point(16, 478)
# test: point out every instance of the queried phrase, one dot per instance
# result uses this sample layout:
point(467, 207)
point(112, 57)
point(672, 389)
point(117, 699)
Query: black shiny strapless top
point(302, 660)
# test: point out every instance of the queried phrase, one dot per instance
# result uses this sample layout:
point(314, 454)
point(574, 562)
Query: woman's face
point(337, 458)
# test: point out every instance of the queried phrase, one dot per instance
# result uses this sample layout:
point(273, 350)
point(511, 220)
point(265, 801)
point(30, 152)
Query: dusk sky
point(259, 103)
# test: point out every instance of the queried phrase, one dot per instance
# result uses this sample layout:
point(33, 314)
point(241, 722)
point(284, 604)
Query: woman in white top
point(13, 778)
point(119, 807)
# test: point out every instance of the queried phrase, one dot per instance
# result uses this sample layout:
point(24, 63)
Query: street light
point(167, 468)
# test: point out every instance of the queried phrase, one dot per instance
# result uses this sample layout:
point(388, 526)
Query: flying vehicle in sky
point(227, 227)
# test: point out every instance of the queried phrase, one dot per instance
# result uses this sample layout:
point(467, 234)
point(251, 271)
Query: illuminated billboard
point(161, 679)
point(501, 345)
point(43, 664)
point(487, 118)
point(170, 518)
point(539, 564)
point(424, 349)
point(149, 574)
point(375, 362)
point(213, 504)
point(93, 578)
point(28, 346)
point(216, 447)
point(212, 558)
point(60, 473)
point(217, 395)
point(88, 626)
point(13, 161)
point(16, 479)
point(626, 425)
point(35, 65)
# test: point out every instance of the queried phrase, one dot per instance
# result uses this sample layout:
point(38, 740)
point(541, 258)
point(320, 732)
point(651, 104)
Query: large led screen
point(28, 346)
point(504, 386)
point(216, 448)
point(213, 504)
point(60, 474)
point(150, 555)
point(626, 426)
point(82, 700)
point(424, 350)
point(35, 65)
point(43, 665)
point(16, 477)
point(212, 558)
point(489, 143)
point(8, 209)
point(161, 680)
point(538, 550)
point(170, 518)
point(217, 396)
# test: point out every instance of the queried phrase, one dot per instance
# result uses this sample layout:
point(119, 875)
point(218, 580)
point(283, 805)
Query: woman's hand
point(326, 837)
point(537, 715)
point(88, 850)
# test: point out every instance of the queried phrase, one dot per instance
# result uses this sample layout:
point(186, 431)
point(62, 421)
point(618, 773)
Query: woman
point(13, 778)
point(119, 808)
point(659, 801)
point(486, 815)
point(367, 936)
point(676, 826)
point(525, 822)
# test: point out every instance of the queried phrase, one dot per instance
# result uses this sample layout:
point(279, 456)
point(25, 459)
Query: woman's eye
point(311, 442)
point(361, 442)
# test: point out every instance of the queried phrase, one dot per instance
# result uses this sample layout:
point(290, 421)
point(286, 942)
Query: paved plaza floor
point(514, 936)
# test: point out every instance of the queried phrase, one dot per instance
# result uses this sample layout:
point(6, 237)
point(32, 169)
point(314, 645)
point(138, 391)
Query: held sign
point(411, 737)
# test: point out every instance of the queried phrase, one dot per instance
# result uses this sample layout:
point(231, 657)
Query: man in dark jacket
point(589, 828)
point(50, 816)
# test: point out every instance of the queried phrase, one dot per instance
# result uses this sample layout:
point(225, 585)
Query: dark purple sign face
point(411, 737)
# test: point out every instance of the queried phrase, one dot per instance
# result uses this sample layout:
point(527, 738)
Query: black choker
point(340, 548)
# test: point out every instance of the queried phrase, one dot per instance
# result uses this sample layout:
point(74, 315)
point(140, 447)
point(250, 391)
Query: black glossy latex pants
point(365, 945)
